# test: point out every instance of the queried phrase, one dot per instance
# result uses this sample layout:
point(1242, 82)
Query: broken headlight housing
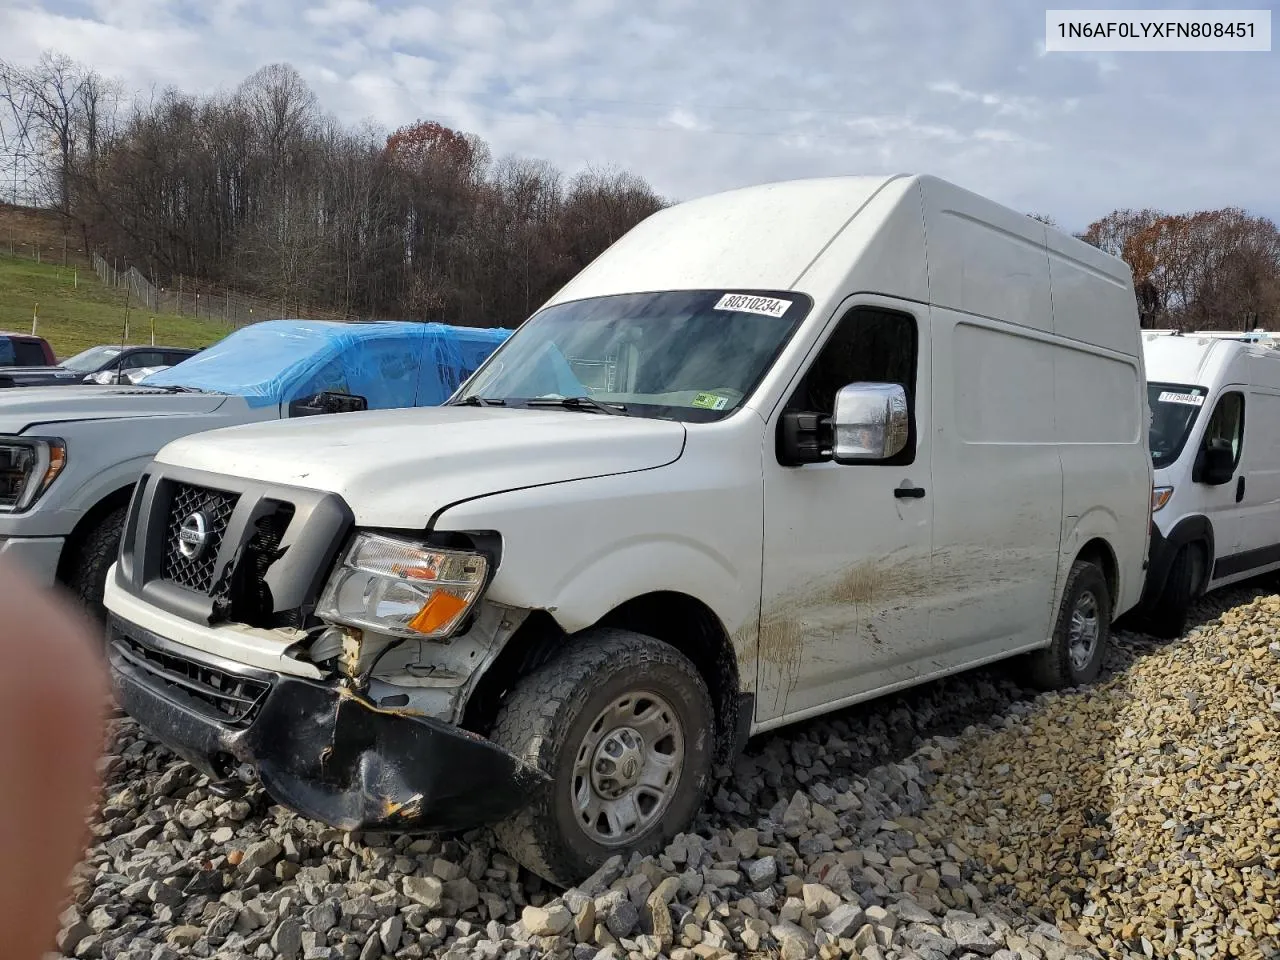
point(27, 467)
point(402, 588)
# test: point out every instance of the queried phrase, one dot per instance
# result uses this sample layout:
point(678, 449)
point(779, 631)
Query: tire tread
point(539, 709)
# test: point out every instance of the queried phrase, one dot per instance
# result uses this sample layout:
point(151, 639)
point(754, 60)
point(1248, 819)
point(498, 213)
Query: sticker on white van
point(710, 401)
point(1190, 399)
point(745, 303)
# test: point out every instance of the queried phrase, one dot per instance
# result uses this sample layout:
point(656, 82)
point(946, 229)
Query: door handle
point(908, 493)
point(1240, 489)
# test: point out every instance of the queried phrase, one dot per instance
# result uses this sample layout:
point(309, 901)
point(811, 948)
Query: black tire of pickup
point(93, 555)
point(549, 719)
point(1086, 594)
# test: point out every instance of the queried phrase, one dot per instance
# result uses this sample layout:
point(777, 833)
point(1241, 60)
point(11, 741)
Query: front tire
point(87, 571)
point(1081, 634)
point(624, 726)
point(1168, 618)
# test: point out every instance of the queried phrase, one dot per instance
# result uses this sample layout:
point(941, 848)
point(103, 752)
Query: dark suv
point(104, 364)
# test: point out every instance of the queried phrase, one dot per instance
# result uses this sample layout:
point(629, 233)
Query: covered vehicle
point(105, 363)
point(69, 456)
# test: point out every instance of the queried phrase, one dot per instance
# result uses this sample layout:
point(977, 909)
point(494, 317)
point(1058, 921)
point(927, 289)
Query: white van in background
point(769, 455)
point(1215, 446)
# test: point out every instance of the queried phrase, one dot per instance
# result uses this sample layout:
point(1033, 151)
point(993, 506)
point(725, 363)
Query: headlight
point(1159, 497)
point(402, 588)
point(27, 467)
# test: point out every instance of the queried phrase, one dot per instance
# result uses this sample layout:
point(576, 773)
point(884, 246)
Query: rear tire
point(1081, 634)
point(1168, 618)
point(624, 726)
point(87, 571)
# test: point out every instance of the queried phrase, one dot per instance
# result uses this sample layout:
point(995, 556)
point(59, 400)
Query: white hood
point(398, 468)
point(25, 407)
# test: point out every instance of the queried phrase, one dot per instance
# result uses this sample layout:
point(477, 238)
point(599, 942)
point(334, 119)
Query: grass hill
point(77, 311)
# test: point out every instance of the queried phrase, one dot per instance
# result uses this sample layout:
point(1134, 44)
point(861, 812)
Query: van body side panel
point(985, 259)
point(997, 486)
point(1101, 416)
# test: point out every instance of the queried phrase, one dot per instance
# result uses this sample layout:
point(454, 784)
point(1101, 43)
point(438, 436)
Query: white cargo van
point(1215, 445)
point(767, 456)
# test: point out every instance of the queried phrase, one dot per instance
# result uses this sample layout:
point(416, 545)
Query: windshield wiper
point(478, 401)
point(580, 403)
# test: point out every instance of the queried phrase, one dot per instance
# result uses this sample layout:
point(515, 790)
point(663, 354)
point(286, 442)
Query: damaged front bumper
point(317, 748)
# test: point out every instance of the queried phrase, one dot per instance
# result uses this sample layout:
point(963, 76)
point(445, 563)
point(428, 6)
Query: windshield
point(88, 361)
point(1174, 407)
point(687, 355)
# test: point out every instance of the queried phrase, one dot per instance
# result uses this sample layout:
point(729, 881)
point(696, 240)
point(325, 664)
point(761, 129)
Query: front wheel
point(624, 726)
point(1168, 619)
point(86, 575)
point(1080, 636)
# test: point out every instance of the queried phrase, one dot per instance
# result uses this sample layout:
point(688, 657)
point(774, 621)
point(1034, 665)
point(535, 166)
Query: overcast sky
point(699, 96)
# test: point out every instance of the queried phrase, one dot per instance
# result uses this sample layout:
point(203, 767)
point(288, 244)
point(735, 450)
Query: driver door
point(1225, 426)
point(847, 551)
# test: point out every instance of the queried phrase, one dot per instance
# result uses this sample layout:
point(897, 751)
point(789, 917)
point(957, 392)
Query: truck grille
point(217, 694)
point(195, 572)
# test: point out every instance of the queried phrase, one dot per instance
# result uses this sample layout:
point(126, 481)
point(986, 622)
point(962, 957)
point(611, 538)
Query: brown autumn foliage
point(1209, 270)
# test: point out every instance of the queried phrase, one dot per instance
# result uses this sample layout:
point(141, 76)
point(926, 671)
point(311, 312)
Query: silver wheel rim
point(1082, 635)
point(626, 769)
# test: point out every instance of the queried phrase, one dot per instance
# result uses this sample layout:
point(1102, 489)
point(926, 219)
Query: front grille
point(250, 599)
point(217, 694)
point(196, 573)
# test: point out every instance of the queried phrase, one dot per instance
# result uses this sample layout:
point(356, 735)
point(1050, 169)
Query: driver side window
point(870, 345)
point(1225, 428)
point(331, 378)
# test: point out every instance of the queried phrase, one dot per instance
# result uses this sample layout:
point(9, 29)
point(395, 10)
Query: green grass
point(79, 312)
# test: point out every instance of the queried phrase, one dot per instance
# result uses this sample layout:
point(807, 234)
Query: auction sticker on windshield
point(710, 401)
point(1190, 399)
point(745, 303)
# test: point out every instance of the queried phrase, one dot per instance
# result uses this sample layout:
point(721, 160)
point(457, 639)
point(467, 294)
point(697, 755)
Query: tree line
point(260, 189)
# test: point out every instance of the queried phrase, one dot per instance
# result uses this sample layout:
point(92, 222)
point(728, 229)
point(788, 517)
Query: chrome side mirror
point(870, 422)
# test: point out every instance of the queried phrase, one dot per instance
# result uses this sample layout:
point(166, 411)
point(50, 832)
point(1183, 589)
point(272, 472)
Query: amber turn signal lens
point(437, 612)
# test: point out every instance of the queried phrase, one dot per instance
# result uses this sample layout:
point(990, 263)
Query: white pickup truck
point(767, 456)
point(69, 455)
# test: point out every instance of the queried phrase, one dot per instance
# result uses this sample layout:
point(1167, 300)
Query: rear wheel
point(1168, 619)
point(624, 726)
point(1081, 634)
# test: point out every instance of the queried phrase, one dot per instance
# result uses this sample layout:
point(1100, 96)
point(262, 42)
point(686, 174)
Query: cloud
point(701, 97)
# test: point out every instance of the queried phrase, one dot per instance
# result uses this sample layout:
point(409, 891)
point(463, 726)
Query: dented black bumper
point(318, 749)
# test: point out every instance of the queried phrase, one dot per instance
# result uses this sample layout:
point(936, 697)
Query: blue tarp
point(389, 363)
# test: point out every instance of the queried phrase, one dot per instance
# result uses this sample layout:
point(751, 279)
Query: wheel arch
point(678, 619)
point(1099, 551)
point(88, 522)
point(1191, 530)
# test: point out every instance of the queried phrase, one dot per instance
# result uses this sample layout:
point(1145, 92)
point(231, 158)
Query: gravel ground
point(1138, 818)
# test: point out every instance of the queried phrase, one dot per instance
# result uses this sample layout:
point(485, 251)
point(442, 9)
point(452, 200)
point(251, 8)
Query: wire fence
point(26, 237)
point(191, 298)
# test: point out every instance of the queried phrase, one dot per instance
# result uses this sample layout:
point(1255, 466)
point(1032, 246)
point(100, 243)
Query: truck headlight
point(28, 466)
point(402, 588)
